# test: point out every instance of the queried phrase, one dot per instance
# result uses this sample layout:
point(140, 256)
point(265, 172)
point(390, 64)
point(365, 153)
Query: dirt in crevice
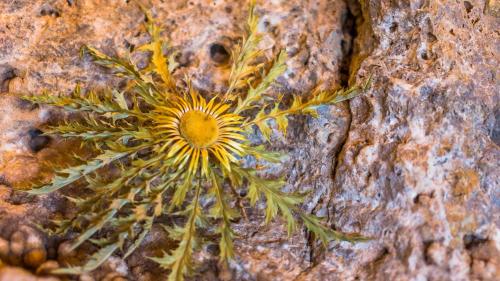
point(351, 21)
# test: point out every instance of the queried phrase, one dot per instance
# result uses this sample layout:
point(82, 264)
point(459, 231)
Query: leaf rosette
point(174, 148)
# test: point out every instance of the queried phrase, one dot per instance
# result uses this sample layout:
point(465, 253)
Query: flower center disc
point(199, 128)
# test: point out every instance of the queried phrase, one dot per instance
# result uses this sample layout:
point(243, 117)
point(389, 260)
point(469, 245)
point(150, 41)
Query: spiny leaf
point(142, 235)
point(119, 97)
point(75, 173)
point(180, 260)
point(301, 106)
point(102, 104)
point(261, 153)
point(255, 94)
point(95, 261)
point(120, 66)
point(276, 200)
point(98, 225)
point(160, 64)
point(244, 67)
point(222, 210)
point(264, 127)
point(181, 191)
point(325, 234)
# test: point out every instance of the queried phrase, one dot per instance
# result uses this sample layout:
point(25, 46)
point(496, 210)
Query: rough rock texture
point(413, 163)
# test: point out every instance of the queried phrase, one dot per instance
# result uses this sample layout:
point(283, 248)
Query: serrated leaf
point(222, 210)
point(180, 260)
point(255, 94)
point(75, 173)
point(159, 62)
point(119, 98)
point(138, 240)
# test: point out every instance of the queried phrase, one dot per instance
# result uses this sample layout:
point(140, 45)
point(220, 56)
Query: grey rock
point(413, 163)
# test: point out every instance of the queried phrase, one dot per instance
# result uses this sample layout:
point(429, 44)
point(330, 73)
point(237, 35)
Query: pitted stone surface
point(413, 163)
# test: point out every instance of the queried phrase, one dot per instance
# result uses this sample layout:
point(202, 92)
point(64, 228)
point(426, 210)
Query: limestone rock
point(413, 163)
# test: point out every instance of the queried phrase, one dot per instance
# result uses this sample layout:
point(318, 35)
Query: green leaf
point(94, 262)
point(222, 210)
point(263, 126)
point(277, 201)
point(153, 176)
point(160, 64)
point(260, 153)
point(325, 234)
point(121, 67)
point(119, 97)
point(254, 95)
point(138, 241)
point(96, 226)
point(244, 68)
point(180, 260)
point(304, 106)
point(75, 173)
point(181, 191)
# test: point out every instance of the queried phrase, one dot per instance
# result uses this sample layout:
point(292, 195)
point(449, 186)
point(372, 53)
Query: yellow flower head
point(197, 131)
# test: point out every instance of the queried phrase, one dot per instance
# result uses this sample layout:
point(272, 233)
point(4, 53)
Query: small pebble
point(114, 276)
point(35, 257)
point(64, 251)
point(8, 273)
point(17, 243)
point(86, 277)
point(46, 267)
point(117, 265)
point(65, 257)
point(4, 249)
point(33, 241)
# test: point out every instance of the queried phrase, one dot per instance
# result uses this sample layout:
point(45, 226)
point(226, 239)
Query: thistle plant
point(171, 148)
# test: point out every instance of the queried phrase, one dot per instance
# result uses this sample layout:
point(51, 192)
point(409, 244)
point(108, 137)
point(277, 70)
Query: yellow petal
point(204, 161)
point(221, 157)
point(176, 147)
point(193, 165)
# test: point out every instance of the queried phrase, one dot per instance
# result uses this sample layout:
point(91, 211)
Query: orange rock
point(35, 257)
point(18, 274)
point(47, 267)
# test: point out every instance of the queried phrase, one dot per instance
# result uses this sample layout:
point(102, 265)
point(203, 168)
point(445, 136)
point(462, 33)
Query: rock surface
point(413, 163)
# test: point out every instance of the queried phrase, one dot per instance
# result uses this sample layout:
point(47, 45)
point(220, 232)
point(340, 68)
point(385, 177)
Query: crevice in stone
point(351, 20)
point(349, 29)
